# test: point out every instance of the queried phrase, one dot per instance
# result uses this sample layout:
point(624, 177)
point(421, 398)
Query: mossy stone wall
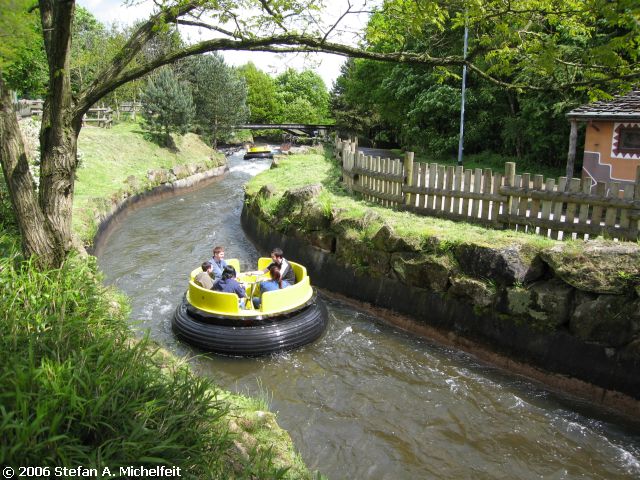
point(572, 309)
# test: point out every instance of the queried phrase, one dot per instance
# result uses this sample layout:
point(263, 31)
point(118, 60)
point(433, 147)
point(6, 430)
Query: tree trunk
point(60, 127)
point(37, 239)
point(57, 178)
point(214, 137)
point(514, 112)
point(571, 156)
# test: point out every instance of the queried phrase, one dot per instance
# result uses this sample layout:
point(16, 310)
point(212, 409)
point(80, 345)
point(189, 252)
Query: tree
point(420, 106)
point(167, 105)
point(22, 54)
point(263, 100)
point(90, 40)
point(520, 39)
point(220, 96)
point(306, 87)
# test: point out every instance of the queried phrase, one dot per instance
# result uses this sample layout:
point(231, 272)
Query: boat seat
point(210, 300)
point(299, 270)
point(235, 263)
point(264, 262)
point(287, 298)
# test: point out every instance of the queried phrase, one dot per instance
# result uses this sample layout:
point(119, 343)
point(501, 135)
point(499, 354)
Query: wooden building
point(612, 140)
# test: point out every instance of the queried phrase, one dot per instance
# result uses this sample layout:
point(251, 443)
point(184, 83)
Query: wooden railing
point(560, 209)
point(101, 116)
point(29, 108)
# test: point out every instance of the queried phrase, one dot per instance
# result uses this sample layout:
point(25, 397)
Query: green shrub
point(77, 390)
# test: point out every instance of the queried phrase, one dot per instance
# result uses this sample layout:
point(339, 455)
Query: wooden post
point(408, 177)
point(509, 180)
point(571, 157)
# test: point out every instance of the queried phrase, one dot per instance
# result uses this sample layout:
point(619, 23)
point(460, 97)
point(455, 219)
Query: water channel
point(366, 401)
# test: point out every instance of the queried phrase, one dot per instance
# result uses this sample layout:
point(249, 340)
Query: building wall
point(601, 160)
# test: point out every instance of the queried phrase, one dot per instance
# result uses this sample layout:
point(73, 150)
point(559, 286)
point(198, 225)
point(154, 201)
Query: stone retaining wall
point(180, 179)
point(572, 309)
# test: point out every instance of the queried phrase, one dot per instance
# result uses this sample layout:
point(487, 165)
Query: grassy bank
point(114, 163)
point(297, 171)
point(77, 388)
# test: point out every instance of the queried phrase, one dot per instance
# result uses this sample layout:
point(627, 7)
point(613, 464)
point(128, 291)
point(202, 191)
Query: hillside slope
point(109, 157)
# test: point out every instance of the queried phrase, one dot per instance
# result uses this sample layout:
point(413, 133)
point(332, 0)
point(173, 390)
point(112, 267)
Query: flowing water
point(366, 401)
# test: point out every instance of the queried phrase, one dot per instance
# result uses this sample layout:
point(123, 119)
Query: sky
point(326, 65)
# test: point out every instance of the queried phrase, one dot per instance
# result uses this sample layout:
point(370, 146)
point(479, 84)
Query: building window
point(630, 139)
point(626, 140)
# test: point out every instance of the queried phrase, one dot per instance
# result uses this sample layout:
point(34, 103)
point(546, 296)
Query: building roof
point(621, 107)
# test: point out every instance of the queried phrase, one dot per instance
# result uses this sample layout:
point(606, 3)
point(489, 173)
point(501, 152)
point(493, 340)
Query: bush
point(77, 390)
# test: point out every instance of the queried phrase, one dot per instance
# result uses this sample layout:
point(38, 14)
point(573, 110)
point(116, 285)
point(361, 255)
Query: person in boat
point(229, 284)
point(203, 278)
point(217, 263)
point(277, 259)
point(276, 282)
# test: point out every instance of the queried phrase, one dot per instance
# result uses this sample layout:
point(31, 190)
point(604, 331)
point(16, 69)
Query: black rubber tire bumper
point(251, 337)
point(251, 156)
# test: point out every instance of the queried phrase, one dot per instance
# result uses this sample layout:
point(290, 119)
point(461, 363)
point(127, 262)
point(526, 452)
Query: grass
point(111, 156)
point(297, 171)
point(76, 390)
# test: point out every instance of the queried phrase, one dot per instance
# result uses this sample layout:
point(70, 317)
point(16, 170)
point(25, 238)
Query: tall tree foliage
point(522, 44)
point(220, 96)
point(22, 56)
point(304, 95)
point(265, 105)
point(167, 105)
point(557, 54)
point(90, 43)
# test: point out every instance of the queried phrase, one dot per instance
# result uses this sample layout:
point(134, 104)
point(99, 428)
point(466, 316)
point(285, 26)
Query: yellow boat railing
point(273, 302)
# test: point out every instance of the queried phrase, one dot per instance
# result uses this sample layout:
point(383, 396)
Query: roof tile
point(624, 107)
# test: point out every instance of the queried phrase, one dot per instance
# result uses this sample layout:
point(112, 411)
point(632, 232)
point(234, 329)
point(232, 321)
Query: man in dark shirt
point(277, 257)
point(229, 284)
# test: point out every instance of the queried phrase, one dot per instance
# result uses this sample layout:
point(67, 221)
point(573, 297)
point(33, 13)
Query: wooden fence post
point(408, 177)
point(509, 180)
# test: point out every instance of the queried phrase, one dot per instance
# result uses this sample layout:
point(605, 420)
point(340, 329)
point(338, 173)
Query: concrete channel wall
point(168, 186)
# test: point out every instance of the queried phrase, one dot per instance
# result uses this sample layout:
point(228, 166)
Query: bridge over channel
point(299, 129)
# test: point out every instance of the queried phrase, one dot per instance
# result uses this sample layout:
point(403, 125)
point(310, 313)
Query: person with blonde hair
point(217, 263)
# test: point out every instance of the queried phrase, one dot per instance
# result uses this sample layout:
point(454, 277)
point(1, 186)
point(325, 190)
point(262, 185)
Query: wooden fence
point(129, 108)
point(101, 116)
point(560, 209)
point(29, 108)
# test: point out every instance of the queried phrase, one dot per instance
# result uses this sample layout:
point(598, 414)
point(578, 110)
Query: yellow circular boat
point(258, 152)
point(286, 318)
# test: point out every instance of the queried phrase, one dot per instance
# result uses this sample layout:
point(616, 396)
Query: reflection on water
point(366, 401)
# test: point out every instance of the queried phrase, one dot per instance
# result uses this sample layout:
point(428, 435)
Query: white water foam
point(344, 332)
point(251, 168)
